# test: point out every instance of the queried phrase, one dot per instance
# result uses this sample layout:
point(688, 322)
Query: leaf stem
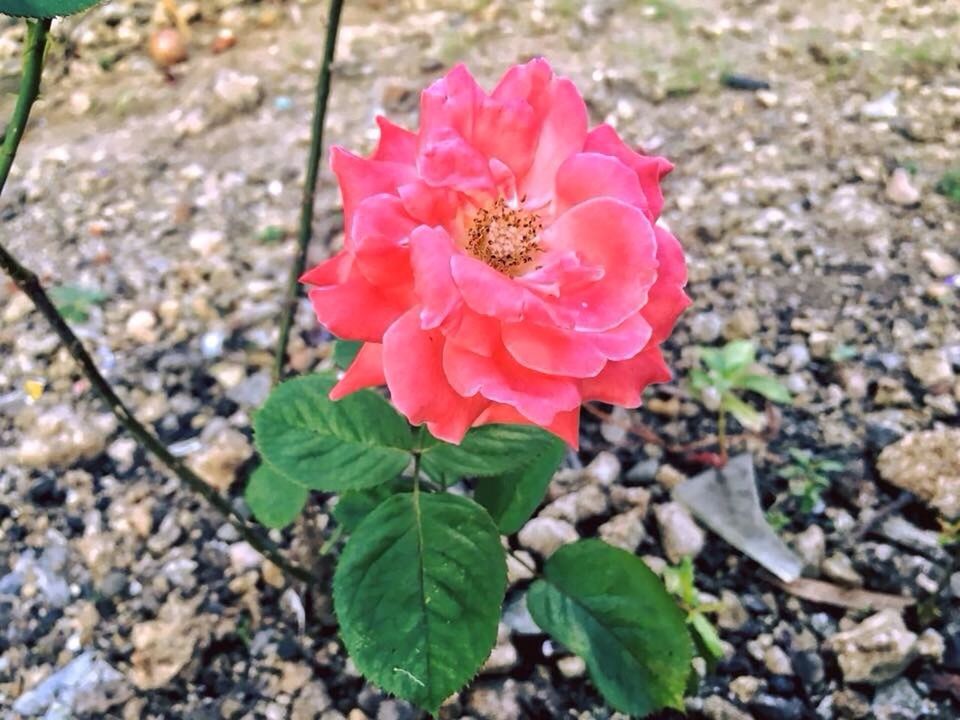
point(28, 282)
point(305, 233)
point(417, 459)
point(722, 436)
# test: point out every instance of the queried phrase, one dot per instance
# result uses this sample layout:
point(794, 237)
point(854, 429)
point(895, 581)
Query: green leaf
point(418, 591)
point(344, 352)
point(791, 471)
point(708, 641)
point(949, 185)
point(353, 506)
point(44, 8)
point(769, 387)
point(272, 234)
point(699, 380)
point(842, 353)
point(608, 607)
point(274, 500)
point(356, 442)
point(679, 582)
point(512, 497)
point(777, 519)
point(713, 359)
point(745, 414)
point(74, 302)
point(485, 451)
point(738, 354)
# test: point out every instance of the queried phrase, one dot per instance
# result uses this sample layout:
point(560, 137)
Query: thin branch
point(29, 283)
point(305, 233)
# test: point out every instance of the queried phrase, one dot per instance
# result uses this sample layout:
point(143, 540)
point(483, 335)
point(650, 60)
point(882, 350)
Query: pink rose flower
point(502, 263)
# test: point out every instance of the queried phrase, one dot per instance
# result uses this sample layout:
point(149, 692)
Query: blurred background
point(816, 192)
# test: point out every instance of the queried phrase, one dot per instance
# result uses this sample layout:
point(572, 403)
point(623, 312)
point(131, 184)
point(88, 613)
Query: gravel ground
point(808, 210)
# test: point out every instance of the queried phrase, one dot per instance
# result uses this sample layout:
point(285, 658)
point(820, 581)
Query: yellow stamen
point(504, 238)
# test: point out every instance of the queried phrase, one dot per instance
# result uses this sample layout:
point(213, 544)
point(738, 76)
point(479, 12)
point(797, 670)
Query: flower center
point(504, 238)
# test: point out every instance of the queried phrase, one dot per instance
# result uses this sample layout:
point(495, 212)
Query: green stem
point(305, 233)
point(29, 284)
point(33, 49)
point(722, 435)
point(417, 459)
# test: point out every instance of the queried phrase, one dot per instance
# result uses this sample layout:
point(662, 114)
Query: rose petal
point(379, 239)
point(566, 424)
point(623, 382)
point(552, 350)
point(667, 300)
point(366, 370)
point(499, 378)
point(360, 178)
point(617, 237)
point(650, 169)
point(447, 160)
point(562, 133)
point(588, 175)
point(451, 102)
point(428, 205)
point(413, 367)
point(559, 269)
point(353, 308)
point(625, 340)
point(557, 351)
point(396, 144)
point(431, 251)
point(506, 131)
point(330, 271)
point(529, 82)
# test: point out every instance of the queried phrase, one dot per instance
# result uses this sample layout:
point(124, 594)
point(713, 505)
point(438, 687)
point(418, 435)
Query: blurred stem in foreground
point(28, 282)
point(305, 233)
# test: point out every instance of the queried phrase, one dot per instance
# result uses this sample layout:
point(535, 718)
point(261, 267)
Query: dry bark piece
point(819, 591)
point(726, 501)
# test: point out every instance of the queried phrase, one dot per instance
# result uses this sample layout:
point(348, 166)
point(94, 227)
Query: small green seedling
point(841, 353)
point(809, 477)
point(949, 531)
point(679, 582)
point(724, 374)
point(777, 519)
point(271, 234)
point(949, 185)
point(75, 303)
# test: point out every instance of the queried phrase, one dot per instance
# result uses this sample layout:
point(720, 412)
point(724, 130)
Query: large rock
point(927, 464)
point(876, 650)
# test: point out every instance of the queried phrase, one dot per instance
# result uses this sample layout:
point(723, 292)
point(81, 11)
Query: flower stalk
point(305, 233)
point(33, 50)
